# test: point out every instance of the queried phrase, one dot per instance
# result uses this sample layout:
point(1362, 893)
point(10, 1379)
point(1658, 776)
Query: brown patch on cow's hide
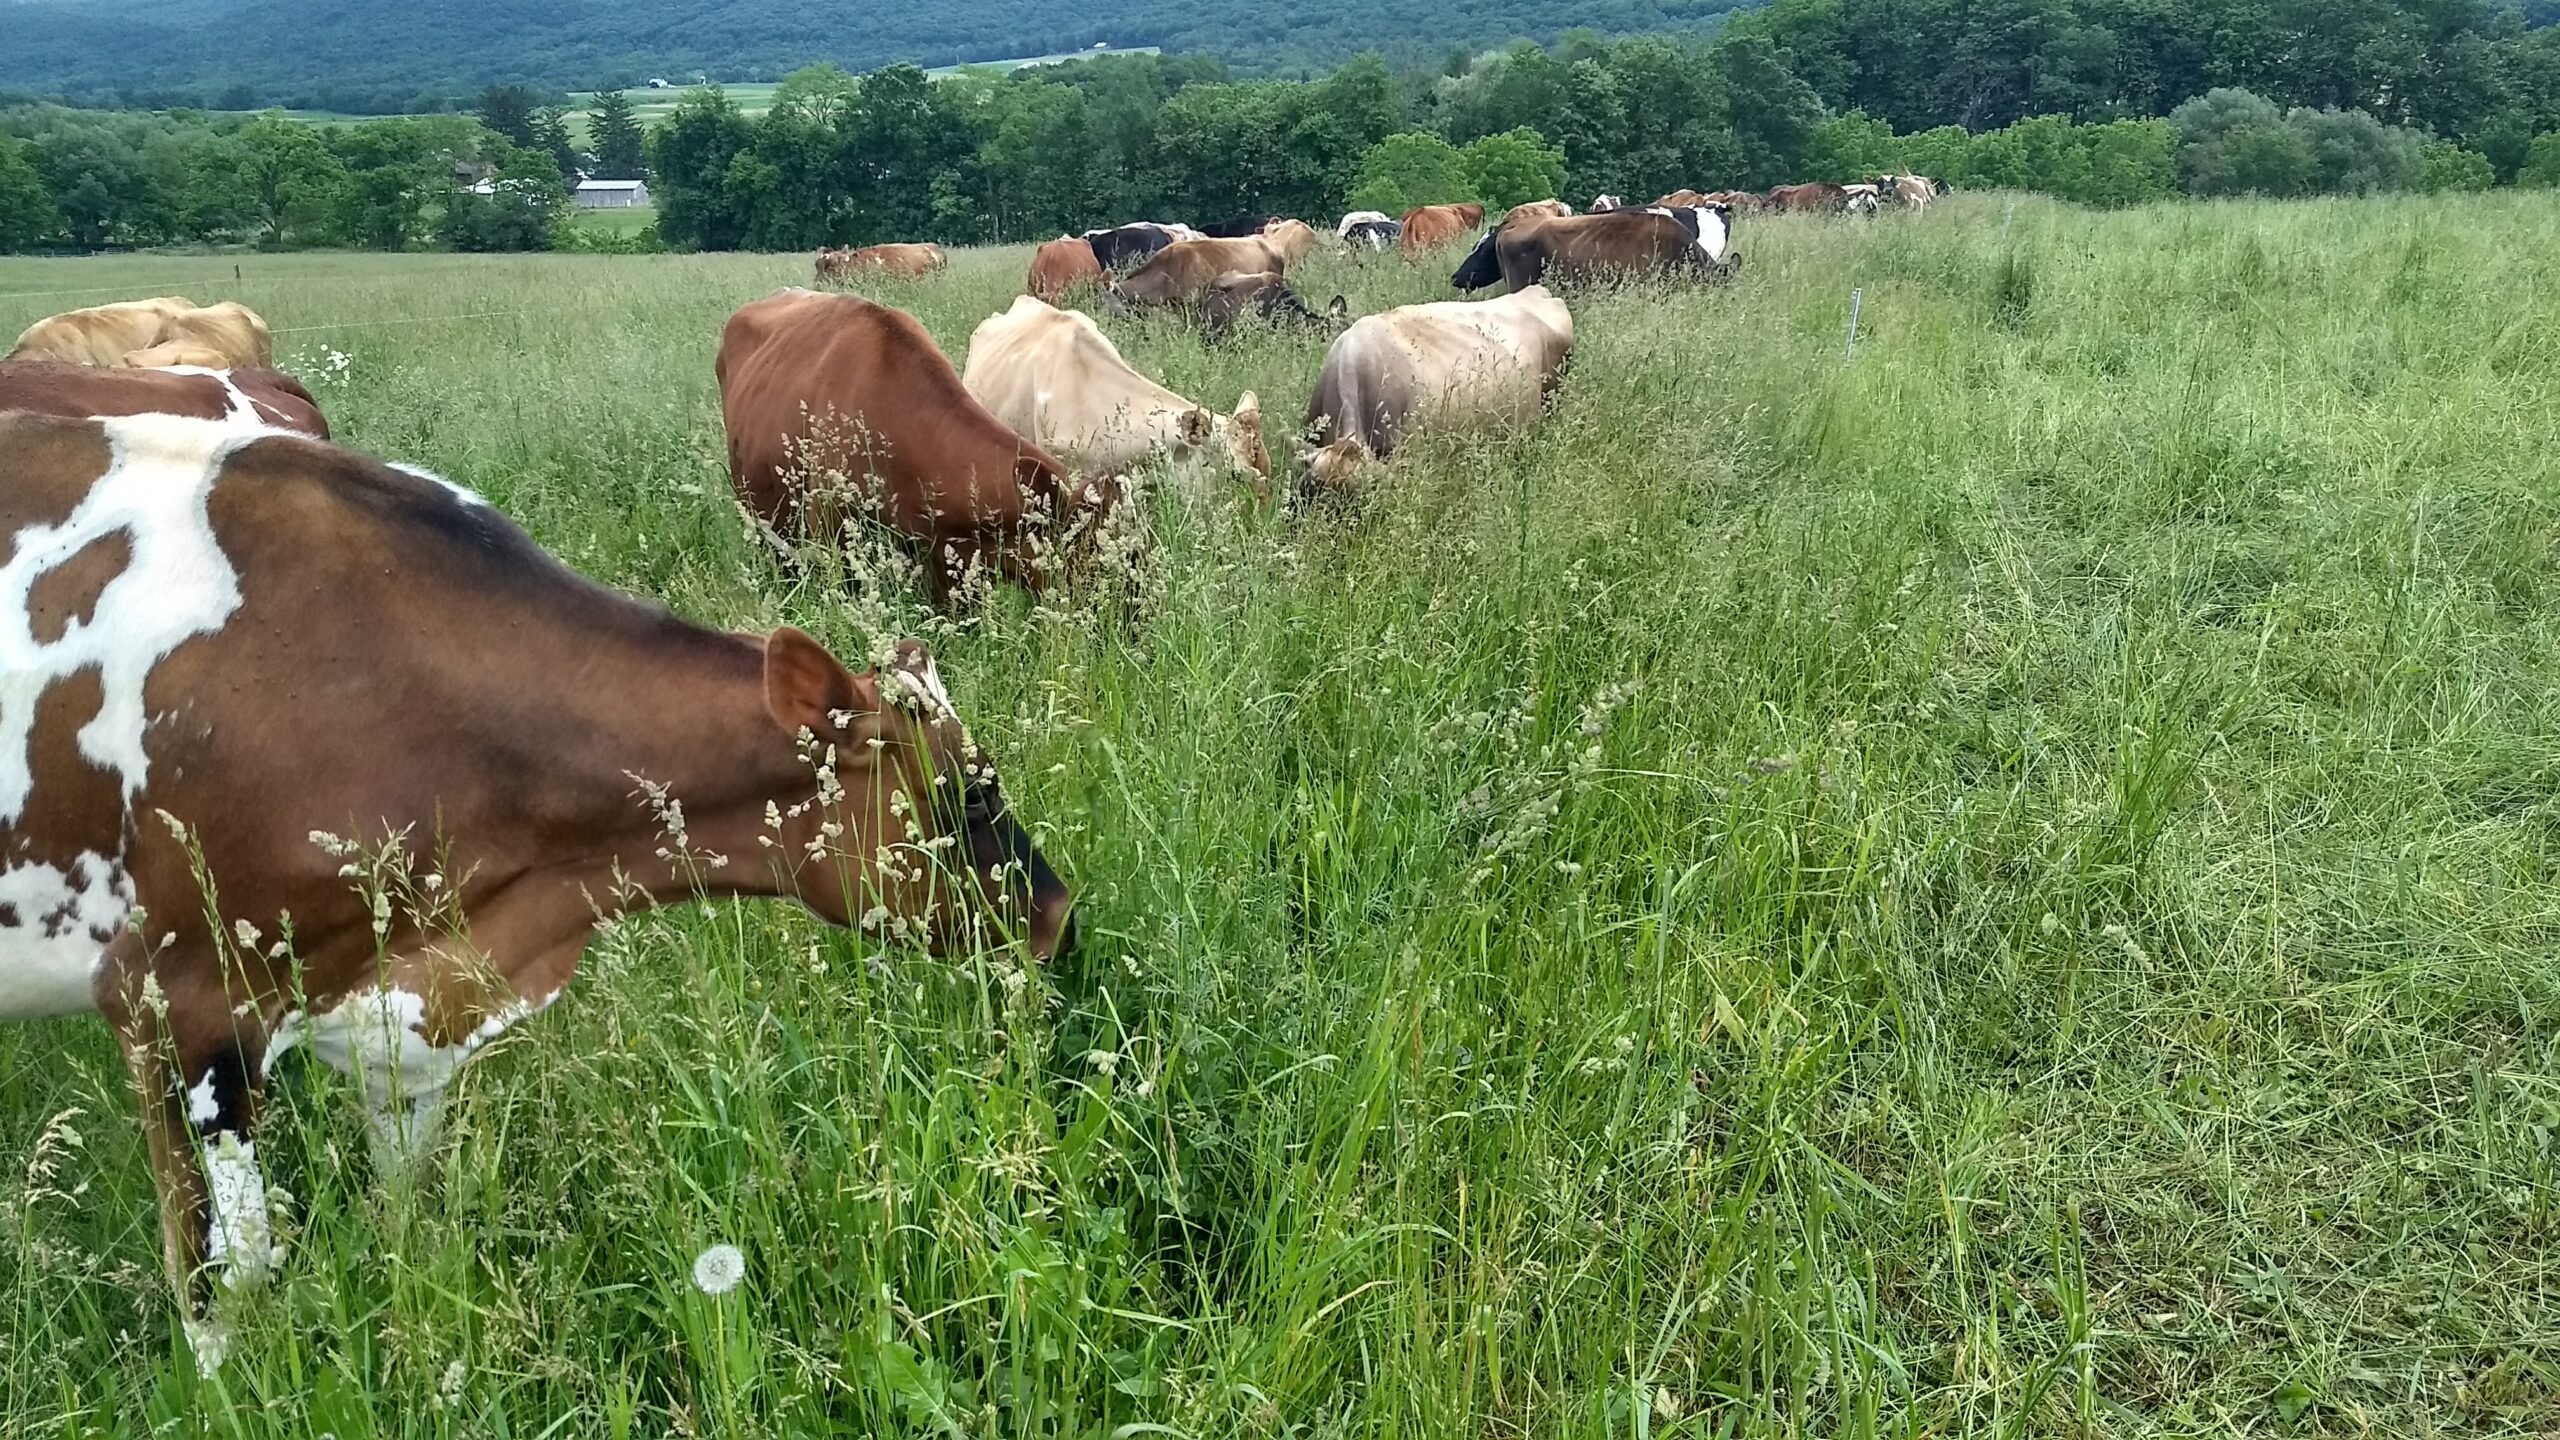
point(68, 783)
point(69, 591)
point(52, 464)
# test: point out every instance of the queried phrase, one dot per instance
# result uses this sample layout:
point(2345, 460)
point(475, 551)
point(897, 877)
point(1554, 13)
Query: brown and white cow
point(1428, 227)
point(820, 392)
point(239, 666)
point(227, 334)
point(1911, 192)
point(906, 261)
point(1060, 266)
point(1536, 209)
point(1609, 245)
point(1454, 364)
point(252, 397)
point(1181, 273)
point(1055, 378)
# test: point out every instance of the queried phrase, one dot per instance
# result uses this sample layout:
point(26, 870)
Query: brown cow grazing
point(1293, 240)
point(1610, 245)
point(496, 743)
point(1181, 273)
point(1429, 227)
point(249, 397)
point(1455, 364)
point(229, 334)
point(1819, 198)
point(821, 392)
point(1536, 209)
point(1680, 200)
point(1061, 265)
point(833, 265)
point(1266, 296)
point(1740, 202)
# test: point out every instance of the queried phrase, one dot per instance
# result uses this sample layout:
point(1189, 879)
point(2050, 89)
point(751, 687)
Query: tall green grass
point(2000, 887)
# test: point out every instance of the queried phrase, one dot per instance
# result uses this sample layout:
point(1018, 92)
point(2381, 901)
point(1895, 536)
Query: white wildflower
point(718, 1270)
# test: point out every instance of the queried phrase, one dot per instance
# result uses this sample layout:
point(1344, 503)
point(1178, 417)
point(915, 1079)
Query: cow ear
point(807, 688)
point(1340, 309)
point(1249, 409)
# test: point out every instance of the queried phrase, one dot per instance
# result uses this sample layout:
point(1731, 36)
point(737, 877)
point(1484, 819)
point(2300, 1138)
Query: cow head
point(908, 832)
point(1482, 267)
point(1334, 467)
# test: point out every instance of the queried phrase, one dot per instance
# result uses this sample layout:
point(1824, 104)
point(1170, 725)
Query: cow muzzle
point(1021, 884)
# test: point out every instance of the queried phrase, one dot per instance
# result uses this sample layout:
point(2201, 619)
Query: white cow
point(1452, 364)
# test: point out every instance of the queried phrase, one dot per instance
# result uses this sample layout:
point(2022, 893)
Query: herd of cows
point(232, 649)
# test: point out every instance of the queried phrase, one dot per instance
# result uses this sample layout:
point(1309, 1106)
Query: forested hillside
point(375, 58)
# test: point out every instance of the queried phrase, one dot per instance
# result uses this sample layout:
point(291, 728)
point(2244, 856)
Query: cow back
point(100, 334)
point(249, 396)
point(838, 385)
point(1061, 265)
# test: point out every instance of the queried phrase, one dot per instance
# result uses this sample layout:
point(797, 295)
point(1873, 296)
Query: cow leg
point(197, 1079)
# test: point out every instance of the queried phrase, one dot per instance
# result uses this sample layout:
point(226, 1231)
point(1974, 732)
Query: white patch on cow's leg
point(239, 1233)
point(55, 925)
point(210, 1338)
point(203, 1106)
point(377, 1038)
point(403, 1130)
point(176, 585)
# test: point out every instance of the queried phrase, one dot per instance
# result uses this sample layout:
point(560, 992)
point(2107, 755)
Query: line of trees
point(2101, 101)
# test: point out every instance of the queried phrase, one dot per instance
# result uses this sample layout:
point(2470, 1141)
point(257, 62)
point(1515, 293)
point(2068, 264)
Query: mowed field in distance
point(2001, 886)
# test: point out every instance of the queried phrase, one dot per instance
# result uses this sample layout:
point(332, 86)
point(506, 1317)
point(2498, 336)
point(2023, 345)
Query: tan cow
point(1292, 240)
point(1182, 272)
point(1450, 365)
point(227, 335)
point(251, 665)
point(1538, 209)
point(1055, 378)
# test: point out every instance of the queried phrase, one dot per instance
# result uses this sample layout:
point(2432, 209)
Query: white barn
point(612, 194)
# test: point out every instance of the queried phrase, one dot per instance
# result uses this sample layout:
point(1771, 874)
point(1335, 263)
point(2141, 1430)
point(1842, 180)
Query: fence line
point(111, 289)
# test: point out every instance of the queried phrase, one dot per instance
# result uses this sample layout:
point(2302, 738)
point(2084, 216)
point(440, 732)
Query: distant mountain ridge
point(371, 55)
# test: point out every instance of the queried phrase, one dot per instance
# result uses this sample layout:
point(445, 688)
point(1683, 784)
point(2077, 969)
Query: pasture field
point(2001, 887)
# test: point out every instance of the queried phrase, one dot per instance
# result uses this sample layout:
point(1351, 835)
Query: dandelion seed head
point(719, 1270)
